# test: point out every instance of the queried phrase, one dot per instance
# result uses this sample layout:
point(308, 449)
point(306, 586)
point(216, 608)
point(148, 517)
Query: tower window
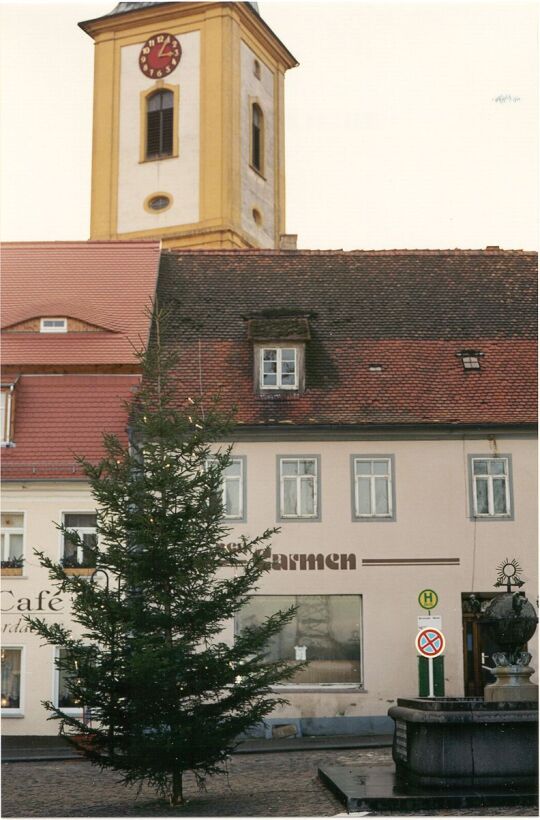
point(159, 125)
point(257, 138)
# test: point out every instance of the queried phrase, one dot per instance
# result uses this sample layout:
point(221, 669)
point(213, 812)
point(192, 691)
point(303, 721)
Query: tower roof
point(123, 8)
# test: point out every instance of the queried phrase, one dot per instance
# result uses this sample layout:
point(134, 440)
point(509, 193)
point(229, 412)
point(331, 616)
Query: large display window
point(326, 631)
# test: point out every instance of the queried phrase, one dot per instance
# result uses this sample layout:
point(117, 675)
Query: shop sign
point(18, 628)
point(44, 601)
point(313, 561)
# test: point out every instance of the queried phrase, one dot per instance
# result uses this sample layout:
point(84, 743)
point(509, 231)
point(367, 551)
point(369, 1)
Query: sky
point(408, 125)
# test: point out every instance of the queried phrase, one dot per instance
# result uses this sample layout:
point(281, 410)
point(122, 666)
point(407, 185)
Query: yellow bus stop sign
point(428, 599)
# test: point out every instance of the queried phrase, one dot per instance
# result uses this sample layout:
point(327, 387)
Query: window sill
point(11, 713)
point(158, 159)
point(492, 518)
point(335, 688)
point(256, 171)
point(370, 519)
point(279, 395)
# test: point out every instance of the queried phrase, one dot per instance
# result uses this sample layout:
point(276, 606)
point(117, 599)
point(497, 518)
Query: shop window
point(233, 489)
point(326, 631)
point(490, 487)
point(79, 548)
point(12, 543)
point(299, 488)
point(373, 488)
point(11, 680)
point(257, 138)
point(279, 368)
point(159, 124)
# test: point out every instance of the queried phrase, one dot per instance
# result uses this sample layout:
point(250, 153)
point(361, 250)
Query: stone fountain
point(458, 752)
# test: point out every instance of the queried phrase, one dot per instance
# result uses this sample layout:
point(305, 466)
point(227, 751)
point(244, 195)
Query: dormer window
point(53, 325)
point(279, 354)
point(279, 370)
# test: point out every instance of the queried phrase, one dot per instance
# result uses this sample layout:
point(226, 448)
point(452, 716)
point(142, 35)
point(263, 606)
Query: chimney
point(492, 248)
point(288, 241)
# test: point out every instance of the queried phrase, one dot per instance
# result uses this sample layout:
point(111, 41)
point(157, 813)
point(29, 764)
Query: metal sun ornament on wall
point(508, 573)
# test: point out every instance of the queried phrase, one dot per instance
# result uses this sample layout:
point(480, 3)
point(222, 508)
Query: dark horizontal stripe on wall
point(401, 562)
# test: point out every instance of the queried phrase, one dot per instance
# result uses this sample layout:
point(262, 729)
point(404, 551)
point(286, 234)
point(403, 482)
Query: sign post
point(430, 644)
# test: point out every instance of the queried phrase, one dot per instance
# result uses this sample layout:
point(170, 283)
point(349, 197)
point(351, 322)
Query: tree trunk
point(177, 795)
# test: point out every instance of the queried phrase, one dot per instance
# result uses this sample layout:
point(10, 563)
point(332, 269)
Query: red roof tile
point(108, 284)
point(409, 311)
point(59, 417)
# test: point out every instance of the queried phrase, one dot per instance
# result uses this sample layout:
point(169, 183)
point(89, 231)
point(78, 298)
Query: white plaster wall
point(257, 192)
point(178, 176)
point(432, 520)
point(43, 504)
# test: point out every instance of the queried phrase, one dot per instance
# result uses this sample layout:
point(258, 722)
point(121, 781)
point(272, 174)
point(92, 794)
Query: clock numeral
point(146, 50)
point(160, 38)
point(151, 42)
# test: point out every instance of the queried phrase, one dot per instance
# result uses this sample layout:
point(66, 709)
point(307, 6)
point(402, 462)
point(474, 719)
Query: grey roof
point(123, 8)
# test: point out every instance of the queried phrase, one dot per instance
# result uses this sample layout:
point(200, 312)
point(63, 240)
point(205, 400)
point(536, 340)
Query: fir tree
point(167, 693)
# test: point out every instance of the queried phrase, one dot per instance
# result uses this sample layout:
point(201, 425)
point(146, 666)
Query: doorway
point(478, 645)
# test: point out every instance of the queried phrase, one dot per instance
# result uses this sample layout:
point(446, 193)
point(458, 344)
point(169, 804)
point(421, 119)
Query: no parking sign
point(430, 642)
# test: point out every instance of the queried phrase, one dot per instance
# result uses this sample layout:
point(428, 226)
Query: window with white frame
point(491, 487)
point(11, 697)
point(298, 491)
point(12, 539)
point(325, 631)
point(372, 487)
point(53, 325)
point(79, 550)
point(233, 488)
point(279, 369)
point(6, 415)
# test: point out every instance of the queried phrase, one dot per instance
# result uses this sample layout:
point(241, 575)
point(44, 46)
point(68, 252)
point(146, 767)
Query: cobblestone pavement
point(277, 784)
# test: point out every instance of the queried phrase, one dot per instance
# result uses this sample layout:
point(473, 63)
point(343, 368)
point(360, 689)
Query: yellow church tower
point(188, 140)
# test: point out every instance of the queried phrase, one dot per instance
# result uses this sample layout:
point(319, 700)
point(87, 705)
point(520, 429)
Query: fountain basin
point(448, 742)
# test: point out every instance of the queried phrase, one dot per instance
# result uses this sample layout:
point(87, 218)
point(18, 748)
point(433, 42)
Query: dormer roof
point(106, 285)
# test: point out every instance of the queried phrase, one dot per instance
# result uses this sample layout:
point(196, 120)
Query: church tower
point(188, 139)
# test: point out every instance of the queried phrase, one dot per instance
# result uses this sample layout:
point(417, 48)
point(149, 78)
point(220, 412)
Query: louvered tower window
point(159, 125)
point(257, 137)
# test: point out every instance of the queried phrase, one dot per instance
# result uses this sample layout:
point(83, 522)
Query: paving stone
point(271, 785)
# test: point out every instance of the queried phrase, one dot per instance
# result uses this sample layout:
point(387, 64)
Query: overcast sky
point(408, 125)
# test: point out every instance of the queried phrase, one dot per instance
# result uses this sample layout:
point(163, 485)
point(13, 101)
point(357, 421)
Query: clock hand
point(161, 53)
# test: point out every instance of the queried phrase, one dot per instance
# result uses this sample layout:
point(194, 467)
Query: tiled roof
point(410, 311)
point(108, 284)
point(58, 417)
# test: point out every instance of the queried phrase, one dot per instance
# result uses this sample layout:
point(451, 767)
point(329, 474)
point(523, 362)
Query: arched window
point(159, 125)
point(257, 138)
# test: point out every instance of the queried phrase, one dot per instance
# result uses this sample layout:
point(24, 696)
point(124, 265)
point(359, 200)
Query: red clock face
point(160, 55)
